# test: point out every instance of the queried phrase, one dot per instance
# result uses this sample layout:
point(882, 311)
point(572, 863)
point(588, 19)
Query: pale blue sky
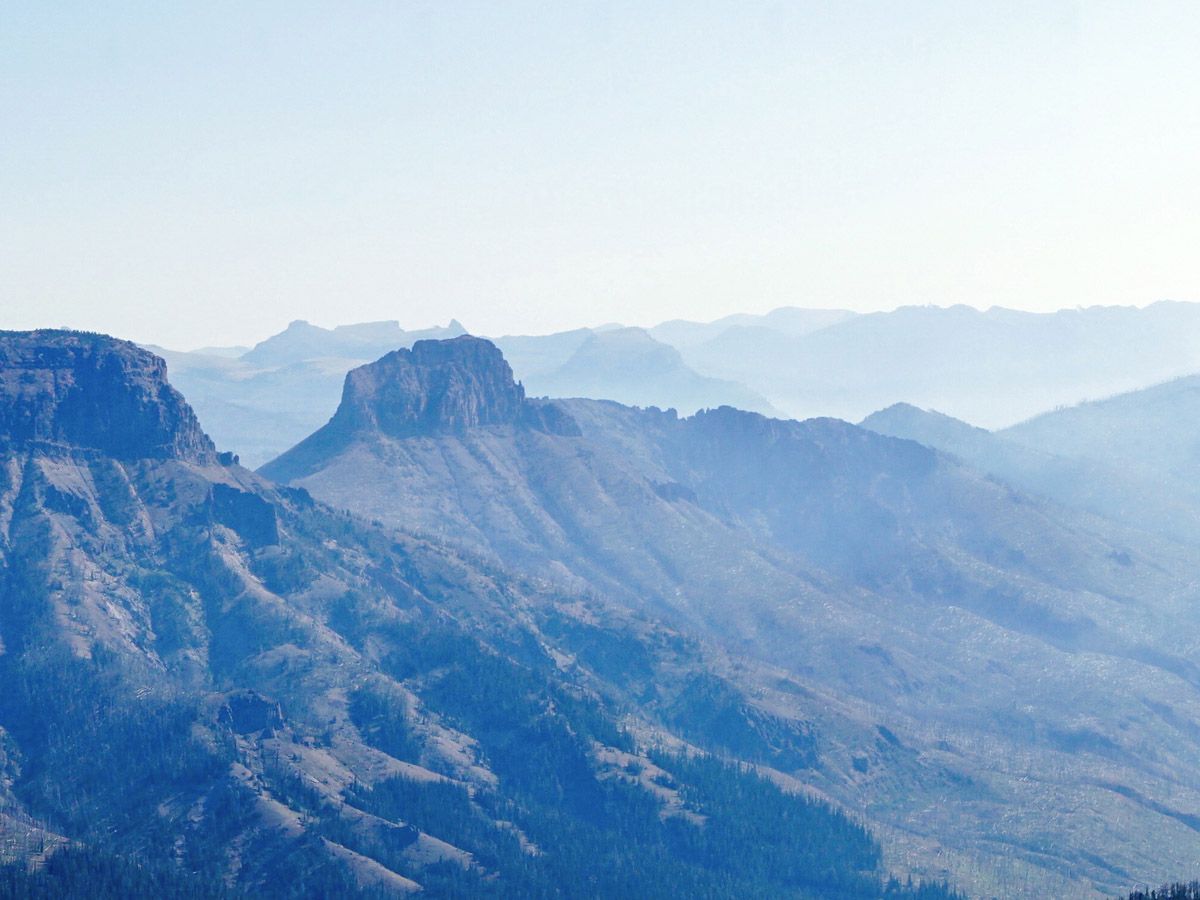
point(203, 173)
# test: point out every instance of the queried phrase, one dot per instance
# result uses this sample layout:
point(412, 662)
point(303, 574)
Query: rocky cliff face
point(436, 387)
point(94, 393)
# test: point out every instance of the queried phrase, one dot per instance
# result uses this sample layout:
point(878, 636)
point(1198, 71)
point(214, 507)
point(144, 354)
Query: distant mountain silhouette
point(992, 368)
point(787, 320)
point(631, 367)
point(532, 355)
point(301, 342)
point(1106, 487)
point(1153, 432)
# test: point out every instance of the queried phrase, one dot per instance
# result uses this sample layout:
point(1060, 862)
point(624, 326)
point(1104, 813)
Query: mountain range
point(219, 686)
point(1095, 480)
point(993, 368)
point(963, 653)
point(470, 640)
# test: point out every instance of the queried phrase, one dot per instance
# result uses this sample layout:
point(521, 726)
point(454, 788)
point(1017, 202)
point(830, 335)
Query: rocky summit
point(90, 392)
point(435, 388)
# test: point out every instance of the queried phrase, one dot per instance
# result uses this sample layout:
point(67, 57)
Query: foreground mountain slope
point(218, 687)
point(1014, 656)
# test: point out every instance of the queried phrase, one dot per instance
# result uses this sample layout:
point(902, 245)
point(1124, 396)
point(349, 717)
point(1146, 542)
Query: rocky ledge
point(91, 392)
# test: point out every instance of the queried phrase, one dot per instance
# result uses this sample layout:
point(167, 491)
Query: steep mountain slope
point(992, 367)
point(1107, 487)
point(1014, 657)
point(216, 686)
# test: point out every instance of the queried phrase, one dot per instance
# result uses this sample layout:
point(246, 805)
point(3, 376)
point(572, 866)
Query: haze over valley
point(600, 451)
point(954, 636)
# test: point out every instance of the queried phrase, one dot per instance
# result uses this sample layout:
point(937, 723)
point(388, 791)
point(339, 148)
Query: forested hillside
point(215, 687)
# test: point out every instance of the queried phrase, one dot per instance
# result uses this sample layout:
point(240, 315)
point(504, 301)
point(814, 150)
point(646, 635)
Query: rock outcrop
point(246, 513)
point(437, 387)
point(92, 392)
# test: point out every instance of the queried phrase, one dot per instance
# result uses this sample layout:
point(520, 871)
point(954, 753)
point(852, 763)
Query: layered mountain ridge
point(302, 341)
point(1003, 687)
point(977, 625)
point(1099, 477)
point(632, 367)
point(217, 686)
point(991, 367)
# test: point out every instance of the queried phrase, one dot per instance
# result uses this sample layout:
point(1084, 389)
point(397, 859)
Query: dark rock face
point(437, 387)
point(252, 517)
point(548, 417)
point(93, 392)
point(246, 712)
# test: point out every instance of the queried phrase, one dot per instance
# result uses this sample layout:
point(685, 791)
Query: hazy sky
point(204, 173)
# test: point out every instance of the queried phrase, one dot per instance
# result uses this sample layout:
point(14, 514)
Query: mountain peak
point(435, 387)
point(93, 392)
point(903, 412)
point(640, 354)
point(439, 386)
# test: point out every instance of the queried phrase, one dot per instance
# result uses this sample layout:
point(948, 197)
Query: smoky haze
point(202, 176)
